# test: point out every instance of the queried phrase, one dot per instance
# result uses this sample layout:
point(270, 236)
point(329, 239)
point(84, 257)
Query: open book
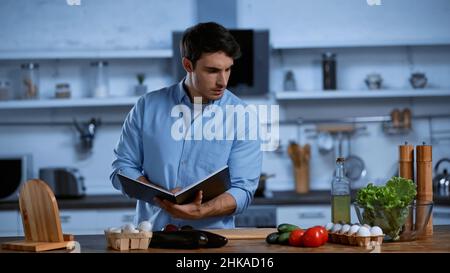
point(212, 186)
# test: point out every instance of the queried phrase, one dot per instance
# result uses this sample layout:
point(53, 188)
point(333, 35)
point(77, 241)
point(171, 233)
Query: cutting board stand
point(40, 219)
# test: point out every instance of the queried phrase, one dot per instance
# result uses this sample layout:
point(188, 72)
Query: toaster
point(65, 182)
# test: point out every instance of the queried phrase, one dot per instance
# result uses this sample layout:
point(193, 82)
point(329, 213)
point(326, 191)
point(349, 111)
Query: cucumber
point(283, 239)
point(272, 238)
point(287, 228)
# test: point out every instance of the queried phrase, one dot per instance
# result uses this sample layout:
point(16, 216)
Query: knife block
point(40, 218)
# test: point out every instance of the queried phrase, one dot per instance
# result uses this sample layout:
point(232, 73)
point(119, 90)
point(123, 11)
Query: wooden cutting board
point(244, 233)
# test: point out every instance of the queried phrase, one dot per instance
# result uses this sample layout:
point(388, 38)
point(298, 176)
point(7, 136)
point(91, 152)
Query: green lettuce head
point(387, 206)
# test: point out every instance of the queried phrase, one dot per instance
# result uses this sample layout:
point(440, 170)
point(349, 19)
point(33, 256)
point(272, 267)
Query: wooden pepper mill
point(406, 170)
point(424, 182)
point(406, 161)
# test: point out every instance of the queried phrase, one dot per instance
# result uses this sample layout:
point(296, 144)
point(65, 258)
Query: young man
point(147, 149)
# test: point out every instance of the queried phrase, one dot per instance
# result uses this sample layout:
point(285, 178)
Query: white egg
point(367, 226)
point(329, 226)
point(376, 231)
point(128, 228)
point(353, 229)
point(145, 226)
point(363, 232)
point(336, 228)
point(345, 228)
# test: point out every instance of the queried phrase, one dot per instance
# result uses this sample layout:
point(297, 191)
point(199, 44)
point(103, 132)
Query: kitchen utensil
point(418, 80)
point(396, 118)
point(40, 219)
point(87, 132)
point(441, 181)
point(373, 81)
point(324, 142)
point(406, 170)
point(300, 157)
point(424, 181)
point(355, 168)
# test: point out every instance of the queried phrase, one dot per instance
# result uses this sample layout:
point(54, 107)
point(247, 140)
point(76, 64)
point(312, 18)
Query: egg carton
point(354, 240)
point(126, 241)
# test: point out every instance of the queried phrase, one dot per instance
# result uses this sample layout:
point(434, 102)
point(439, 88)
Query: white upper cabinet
point(331, 23)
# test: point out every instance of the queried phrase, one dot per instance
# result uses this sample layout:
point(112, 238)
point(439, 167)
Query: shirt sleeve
point(245, 169)
point(128, 153)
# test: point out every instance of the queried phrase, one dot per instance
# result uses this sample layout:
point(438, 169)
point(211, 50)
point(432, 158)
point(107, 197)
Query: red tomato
point(295, 238)
point(324, 233)
point(313, 237)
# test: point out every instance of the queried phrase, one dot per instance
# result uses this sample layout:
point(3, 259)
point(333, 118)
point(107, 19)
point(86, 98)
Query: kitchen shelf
point(361, 94)
point(66, 103)
point(349, 44)
point(88, 54)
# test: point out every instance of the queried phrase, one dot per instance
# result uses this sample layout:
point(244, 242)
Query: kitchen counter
point(438, 243)
point(278, 198)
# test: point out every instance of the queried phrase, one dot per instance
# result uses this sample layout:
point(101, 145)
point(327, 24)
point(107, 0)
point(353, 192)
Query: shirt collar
point(183, 97)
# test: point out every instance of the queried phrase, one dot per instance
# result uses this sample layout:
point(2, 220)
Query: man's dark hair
point(208, 37)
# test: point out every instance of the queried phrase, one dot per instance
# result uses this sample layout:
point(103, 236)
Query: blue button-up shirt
point(147, 148)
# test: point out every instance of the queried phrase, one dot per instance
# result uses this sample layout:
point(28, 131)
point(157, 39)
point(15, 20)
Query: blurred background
point(352, 78)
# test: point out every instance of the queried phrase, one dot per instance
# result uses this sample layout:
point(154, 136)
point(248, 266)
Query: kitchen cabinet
point(87, 221)
point(9, 223)
point(348, 23)
point(115, 217)
point(257, 216)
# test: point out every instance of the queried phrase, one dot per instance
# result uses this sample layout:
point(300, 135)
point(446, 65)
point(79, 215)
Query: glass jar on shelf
point(100, 85)
point(5, 90)
point(29, 81)
point(62, 91)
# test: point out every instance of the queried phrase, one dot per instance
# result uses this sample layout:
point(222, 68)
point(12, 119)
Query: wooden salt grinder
point(406, 161)
point(406, 170)
point(424, 181)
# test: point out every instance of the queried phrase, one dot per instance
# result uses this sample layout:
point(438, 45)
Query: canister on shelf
point(5, 90)
point(62, 91)
point(30, 81)
point(100, 85)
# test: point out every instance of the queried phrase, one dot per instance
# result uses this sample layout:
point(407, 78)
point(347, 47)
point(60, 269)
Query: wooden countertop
point(438, 243)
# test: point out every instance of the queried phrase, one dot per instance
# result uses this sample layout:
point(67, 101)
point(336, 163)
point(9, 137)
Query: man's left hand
point(191, 211)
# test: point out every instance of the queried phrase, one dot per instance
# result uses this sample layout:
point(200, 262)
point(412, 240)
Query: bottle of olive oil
point(340, 194)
